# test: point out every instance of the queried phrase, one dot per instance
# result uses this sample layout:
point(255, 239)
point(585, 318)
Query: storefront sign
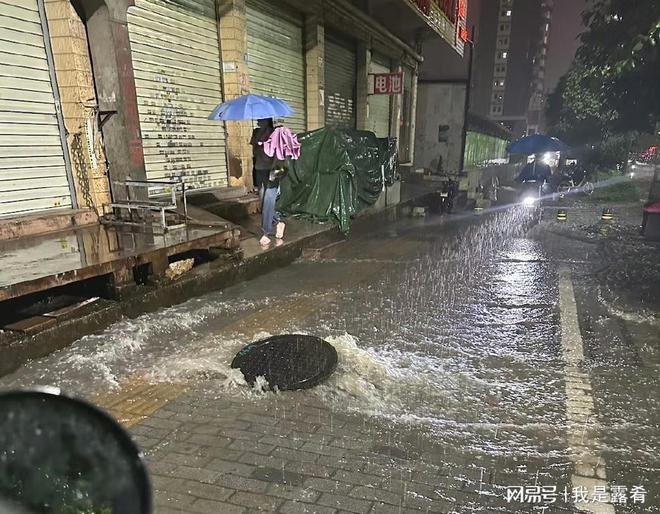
point(388, 83)
point(461, 21)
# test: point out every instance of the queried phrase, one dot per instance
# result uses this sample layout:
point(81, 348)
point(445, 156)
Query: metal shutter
point(276, 57)
point(33, 172)
point(176, 61)
point(379, 105)
point(340, 82)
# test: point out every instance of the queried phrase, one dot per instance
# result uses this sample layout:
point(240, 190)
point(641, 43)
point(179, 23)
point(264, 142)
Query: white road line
point(589, 467)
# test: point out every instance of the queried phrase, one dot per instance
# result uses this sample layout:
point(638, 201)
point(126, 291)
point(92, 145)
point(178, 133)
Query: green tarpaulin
point(339, 173)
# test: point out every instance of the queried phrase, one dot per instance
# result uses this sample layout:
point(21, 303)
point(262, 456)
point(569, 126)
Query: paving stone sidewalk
point(286, 453)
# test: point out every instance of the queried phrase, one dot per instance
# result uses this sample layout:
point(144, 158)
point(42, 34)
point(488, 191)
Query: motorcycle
point(531, 192)
point(574, 179)
point(448, 194)
point(63, 455)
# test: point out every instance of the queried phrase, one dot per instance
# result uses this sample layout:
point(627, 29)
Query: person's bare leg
point(279, 230)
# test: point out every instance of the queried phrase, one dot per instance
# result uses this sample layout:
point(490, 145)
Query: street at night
point(476, 354)
point(329, 256)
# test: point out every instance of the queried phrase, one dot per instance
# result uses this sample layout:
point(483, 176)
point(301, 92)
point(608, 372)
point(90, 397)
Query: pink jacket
point(282, 144)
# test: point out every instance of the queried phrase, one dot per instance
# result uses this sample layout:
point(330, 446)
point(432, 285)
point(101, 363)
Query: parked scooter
point(63, 455)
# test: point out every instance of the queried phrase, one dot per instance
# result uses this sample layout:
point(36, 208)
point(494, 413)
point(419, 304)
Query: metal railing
point(163, 207)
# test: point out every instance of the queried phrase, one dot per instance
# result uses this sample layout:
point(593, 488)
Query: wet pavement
point(480, 357)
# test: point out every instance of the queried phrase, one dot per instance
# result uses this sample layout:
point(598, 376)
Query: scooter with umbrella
point(534, 180)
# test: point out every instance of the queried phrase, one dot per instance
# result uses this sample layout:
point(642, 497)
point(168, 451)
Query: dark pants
point(260, 178)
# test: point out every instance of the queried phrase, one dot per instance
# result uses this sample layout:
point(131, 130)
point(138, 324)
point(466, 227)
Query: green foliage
point(613, 86)
point(613, 187)
point(577, 110)
point(608, 153)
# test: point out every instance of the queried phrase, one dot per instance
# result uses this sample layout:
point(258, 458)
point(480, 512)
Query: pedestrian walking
point(271, 223)
point(281, 146)
point(262, 164)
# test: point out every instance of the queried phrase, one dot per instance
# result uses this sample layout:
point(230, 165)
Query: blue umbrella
point(538, 143)
point(251, 107)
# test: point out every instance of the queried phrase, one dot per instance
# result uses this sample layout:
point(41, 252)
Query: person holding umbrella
point(261, 163)
point(272, 147)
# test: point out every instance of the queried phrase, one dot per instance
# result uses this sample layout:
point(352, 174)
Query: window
point(508, 13)
point(499, 83)
point(502, 55)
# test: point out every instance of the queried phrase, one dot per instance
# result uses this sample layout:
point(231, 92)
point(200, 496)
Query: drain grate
point(287, 362)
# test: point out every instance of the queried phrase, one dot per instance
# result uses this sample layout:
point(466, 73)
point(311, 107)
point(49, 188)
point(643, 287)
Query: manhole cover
point(287, 362)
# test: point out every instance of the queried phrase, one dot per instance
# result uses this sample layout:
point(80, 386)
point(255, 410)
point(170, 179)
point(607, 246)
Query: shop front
point(34, 165)
point(380, 106)
point(340, 81)
point(275, 55)
point(177, 68)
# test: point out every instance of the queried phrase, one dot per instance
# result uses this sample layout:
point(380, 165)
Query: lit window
point(504, 55)
point(508, 13)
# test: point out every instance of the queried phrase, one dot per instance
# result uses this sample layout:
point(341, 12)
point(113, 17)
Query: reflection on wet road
point(450, 330)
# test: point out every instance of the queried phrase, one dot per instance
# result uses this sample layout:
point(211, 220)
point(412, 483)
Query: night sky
point(562, 44)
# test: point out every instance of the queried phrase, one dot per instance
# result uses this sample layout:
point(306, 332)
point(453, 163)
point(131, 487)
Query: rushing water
point(452, 326)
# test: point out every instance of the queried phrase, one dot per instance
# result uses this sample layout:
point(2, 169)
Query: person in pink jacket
point(280, 146)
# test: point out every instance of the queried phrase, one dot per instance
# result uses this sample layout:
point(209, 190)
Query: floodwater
point(445, 324)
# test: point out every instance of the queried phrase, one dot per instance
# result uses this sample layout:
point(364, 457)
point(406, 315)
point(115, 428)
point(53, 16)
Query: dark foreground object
point(287, 362)
point(62, 455)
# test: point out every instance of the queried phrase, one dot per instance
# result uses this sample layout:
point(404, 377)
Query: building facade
point(509, 63)
point(96, 91)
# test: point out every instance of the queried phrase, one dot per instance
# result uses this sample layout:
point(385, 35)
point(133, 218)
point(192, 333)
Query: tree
point(613, 85)
point(577, 110)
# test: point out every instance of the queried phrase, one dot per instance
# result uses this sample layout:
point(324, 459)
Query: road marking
point(590, 467)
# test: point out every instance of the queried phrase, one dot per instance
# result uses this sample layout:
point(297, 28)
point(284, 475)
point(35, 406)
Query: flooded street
point(457, 340)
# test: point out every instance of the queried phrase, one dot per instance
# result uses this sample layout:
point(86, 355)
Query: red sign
point(388, 83)
point(461, 21)
point(463, 34)
point(462, 9)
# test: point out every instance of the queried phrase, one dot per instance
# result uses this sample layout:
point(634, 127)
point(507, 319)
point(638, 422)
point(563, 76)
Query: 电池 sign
point(388, 83)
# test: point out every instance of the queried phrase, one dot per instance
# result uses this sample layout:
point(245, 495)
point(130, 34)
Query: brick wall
point(236, 82)
point(76, 87)
point(314, 65)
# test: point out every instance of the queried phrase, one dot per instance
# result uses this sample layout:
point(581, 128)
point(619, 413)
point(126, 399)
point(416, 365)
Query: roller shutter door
point(33, 170)
point(176, 62)
point(276, 59)
point(379, 105)
point(340, 82)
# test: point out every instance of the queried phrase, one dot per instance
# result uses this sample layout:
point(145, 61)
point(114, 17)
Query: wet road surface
point(476, 354)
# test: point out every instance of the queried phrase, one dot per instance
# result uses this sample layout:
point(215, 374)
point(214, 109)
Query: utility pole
point(468, 90)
